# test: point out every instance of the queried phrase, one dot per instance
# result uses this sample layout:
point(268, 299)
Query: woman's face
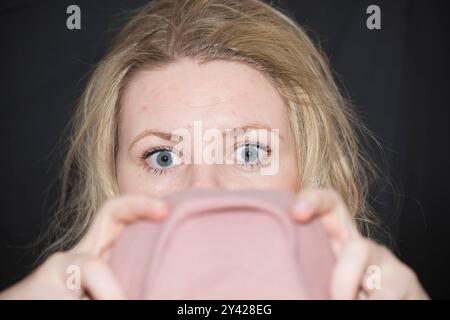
point(225, 115)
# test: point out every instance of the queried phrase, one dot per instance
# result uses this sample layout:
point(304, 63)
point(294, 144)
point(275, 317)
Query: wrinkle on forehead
point(220, 93)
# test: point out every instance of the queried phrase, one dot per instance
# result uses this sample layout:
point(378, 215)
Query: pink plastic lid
point(218, 244)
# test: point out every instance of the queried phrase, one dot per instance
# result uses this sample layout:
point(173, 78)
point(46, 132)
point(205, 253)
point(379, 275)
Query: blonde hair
point(325, 128)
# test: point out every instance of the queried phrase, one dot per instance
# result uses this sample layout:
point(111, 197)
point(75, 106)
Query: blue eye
point(163, 159)
point(251, 154)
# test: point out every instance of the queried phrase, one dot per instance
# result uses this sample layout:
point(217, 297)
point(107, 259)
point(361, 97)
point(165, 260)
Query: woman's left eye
point(251, 154)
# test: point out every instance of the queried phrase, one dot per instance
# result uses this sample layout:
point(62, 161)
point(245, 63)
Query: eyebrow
point(168, 136)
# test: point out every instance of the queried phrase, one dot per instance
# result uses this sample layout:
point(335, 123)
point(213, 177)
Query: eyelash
point(160, 172)
point(263, 147)
point(150, 152)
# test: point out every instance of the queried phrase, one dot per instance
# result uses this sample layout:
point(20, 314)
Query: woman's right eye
point(163, 159)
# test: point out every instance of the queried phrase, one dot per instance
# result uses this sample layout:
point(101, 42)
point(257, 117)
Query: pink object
point(218, 244)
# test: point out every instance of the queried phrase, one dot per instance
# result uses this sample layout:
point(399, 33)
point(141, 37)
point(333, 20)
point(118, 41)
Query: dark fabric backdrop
point(397, 77)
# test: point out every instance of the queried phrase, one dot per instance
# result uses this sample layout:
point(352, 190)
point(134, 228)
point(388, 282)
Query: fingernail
point(157, 207)
point(163, 208)
point(302, 206)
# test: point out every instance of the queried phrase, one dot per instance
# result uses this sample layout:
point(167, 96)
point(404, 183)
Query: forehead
point(221, 94)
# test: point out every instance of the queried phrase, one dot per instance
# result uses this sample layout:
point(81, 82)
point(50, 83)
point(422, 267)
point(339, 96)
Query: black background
point(397, 77)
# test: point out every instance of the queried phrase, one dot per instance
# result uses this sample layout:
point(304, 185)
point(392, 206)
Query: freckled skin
point(223, 95)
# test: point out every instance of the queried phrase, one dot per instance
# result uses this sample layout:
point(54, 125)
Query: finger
point(362, 295)
point(114, 215)
point(350, 269)
point(397, 280)
point(98, 280)
point(328, 206)
point(367, 270)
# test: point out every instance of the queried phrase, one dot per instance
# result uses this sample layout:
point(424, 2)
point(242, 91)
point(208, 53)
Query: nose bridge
point(206, 155)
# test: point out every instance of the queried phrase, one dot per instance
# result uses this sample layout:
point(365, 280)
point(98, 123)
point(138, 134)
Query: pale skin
point(158, 101)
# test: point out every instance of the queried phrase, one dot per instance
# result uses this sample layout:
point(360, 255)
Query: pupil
point(249, 155)
point(164, 159)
